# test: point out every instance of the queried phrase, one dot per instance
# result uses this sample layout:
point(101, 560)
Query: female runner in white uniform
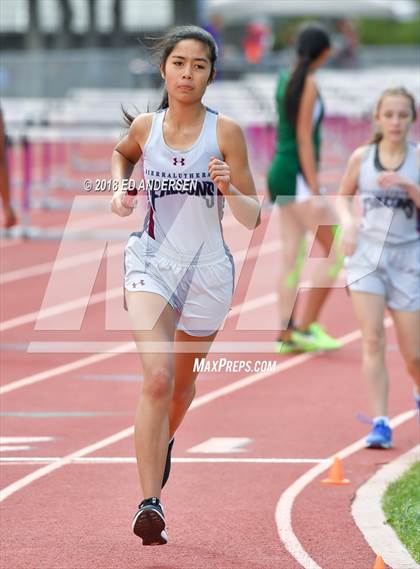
point(383, 268)
point(178, 272)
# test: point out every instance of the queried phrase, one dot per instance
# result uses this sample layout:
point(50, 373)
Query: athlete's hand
point(349, 233)
point(390, 179)
point(120, 206)
point(220, 174)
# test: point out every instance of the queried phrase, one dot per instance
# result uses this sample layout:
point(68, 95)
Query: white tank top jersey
point(185, 208)
point(389, 214)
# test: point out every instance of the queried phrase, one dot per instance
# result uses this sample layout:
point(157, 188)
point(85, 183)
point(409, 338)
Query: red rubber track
point(220, 515)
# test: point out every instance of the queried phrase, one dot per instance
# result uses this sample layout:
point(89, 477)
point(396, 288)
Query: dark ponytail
point(128, 118)
point(312, 40)
point(376, 138)
point(164, 48)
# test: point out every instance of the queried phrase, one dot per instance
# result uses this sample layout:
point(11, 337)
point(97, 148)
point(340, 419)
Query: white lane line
point(41, 376)
point(7, 448)
point(255, 303)
point(86, 347)
point(271, 298)
point(11, 460)
point(13, 444)
point(217, 346)
point(60, 265)
point(221, 445)
point(40, 472)
point(110, 349)
point(199, 402)
point(85, 223)
point(113, 350)
point(61, 308)
point(369, 516)
point(284, 507)
point(12, 440)
point(73, 260)
point(98, 297)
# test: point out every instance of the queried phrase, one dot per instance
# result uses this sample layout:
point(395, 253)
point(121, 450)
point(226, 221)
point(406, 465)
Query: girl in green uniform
point(294, 187)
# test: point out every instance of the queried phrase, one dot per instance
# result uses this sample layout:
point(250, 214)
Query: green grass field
point(401, 504)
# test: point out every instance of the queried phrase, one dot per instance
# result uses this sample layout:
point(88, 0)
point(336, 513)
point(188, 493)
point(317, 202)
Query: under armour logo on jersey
point(180, 160)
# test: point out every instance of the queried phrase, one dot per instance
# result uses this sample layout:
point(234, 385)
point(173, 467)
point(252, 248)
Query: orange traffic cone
point(336, 474)
point(379, 563)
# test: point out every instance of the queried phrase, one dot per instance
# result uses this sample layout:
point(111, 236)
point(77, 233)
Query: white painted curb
point(369, 516)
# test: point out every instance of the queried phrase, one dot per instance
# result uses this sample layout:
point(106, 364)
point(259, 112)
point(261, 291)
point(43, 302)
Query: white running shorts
point(391, 271)
point(200, 289)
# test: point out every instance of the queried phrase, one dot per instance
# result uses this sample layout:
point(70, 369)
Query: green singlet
point(285, 178)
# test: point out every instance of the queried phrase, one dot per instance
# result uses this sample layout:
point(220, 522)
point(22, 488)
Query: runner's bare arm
point(233, 176)
point(349, 183)
point(348, 188)
point(125, 156)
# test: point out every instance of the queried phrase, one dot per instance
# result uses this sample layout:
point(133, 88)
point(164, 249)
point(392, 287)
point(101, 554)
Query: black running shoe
point(167, 470)
point(149, 522)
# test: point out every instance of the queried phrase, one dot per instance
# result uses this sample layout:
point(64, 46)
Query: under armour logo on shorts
point(141, 283)
point(181, 161)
